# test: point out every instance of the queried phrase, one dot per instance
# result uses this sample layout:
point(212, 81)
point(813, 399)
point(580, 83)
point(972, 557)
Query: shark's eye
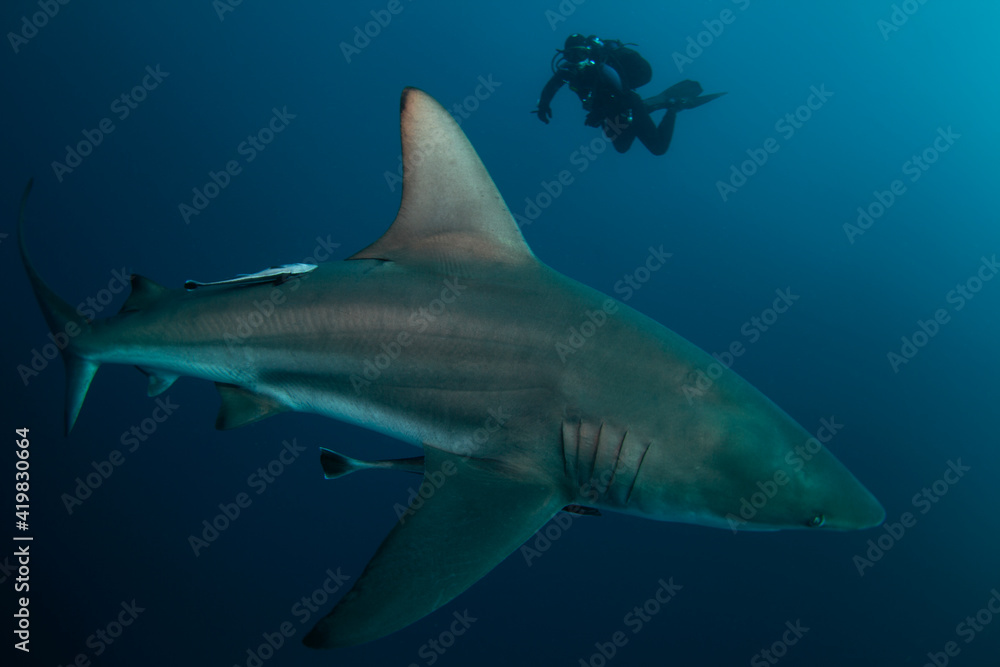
point(816, 521)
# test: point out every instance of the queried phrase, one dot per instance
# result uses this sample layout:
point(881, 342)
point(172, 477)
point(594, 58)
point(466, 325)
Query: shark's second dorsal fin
point(144, 292)
point(451, 210)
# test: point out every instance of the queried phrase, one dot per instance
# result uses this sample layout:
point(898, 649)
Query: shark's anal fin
point(241, 406)
point(474, 518)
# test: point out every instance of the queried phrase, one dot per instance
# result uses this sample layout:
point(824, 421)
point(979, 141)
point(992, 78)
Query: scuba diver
point(604, 75)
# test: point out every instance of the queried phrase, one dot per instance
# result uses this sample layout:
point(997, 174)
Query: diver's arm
point(544, 111)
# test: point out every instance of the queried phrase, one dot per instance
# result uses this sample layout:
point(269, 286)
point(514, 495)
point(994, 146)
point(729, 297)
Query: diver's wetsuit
point(618, 110)
point(605, 80)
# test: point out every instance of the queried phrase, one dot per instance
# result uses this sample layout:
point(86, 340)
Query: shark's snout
point(854, 508)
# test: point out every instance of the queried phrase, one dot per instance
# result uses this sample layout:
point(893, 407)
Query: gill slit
point(636, 476)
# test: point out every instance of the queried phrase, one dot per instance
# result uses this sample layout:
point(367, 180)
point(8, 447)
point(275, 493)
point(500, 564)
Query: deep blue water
point(889, 93)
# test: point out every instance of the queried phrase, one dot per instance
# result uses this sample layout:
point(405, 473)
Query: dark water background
point(894, 91)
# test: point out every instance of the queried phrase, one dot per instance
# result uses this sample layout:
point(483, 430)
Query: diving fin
point(682, 95)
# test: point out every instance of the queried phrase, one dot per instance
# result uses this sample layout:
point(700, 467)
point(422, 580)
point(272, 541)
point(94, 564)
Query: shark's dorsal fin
point(451, 210)
point(440, 546)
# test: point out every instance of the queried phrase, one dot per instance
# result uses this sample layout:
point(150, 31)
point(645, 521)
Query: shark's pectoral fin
point(470, 514)
point(241, 406)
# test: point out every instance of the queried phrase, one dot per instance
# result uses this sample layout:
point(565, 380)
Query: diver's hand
point(544, 113)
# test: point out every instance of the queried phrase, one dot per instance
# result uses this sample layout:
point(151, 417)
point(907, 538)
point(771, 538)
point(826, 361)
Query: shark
point(527, 391)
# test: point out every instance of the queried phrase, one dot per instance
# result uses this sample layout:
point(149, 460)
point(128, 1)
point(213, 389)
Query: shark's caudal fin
point(451, 212)
point(442, 545)
point(67, 327)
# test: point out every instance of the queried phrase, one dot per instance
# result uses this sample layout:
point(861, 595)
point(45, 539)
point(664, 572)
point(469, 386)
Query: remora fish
point(478, 368)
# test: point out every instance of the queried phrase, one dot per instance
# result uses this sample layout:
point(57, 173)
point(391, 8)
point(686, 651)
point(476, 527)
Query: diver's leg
point(655, 138)
point(620, 133)
point(664, 133)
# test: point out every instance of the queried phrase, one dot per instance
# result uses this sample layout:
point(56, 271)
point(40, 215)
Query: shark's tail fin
point(67, 327)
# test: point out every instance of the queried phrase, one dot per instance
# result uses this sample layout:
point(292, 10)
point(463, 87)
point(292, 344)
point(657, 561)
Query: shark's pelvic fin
point(451, 212)
point(64, 321)
point(241, 406)
point(440, 547)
